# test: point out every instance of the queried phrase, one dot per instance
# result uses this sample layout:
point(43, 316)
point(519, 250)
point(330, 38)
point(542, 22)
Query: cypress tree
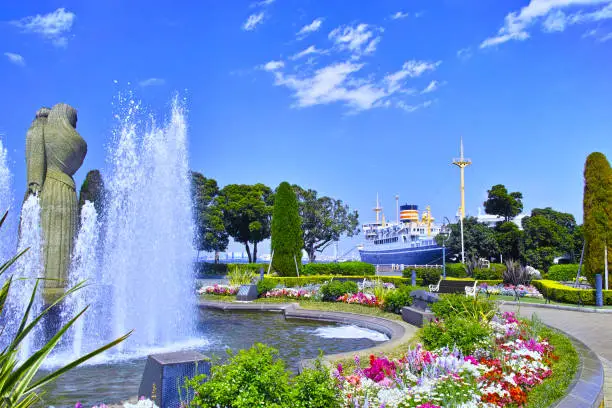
point(287, 242)
point(597, 206)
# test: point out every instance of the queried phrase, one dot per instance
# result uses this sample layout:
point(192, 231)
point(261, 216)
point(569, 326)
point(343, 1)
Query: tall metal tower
point(377, 210)
point(462, 163)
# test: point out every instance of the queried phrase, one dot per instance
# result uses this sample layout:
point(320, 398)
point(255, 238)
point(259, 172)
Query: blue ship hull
point(425, 255)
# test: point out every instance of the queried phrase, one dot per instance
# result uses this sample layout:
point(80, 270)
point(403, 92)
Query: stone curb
point(583, 309)
point(398, 332)
point(587, 388)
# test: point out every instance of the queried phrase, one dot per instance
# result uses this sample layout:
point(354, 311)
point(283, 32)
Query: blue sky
point(351, 98)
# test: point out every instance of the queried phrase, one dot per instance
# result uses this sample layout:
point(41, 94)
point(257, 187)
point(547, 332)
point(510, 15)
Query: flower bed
point(220, 290)
point(497, 375)
point(359, 298)
point(292, 293)
point(510, 290)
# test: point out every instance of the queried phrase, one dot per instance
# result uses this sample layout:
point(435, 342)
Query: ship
point(408, 241)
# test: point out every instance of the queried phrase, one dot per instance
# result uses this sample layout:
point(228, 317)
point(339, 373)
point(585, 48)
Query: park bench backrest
point(454, 286)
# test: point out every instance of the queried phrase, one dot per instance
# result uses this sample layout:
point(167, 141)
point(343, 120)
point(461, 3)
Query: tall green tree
point(597, 206)
point(502, 203)
point(548, 234)
point(324, 220)
point(246, 211)
point(510, 240)
point(210, 233)
point(92, 190)
point(478, 240)
point(286, 231)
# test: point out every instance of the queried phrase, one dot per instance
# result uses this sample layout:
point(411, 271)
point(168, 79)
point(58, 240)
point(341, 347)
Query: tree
point(478, 240)
point(246, 212)
point(502, 203)
point(210, 233)
point(324, 220)
point(597, 206)
point(92, 190)
point(510, 240)
point(548, 234)
point(286, 231)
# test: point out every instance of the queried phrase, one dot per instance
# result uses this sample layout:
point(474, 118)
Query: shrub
point(453, 305)
point(286, 232)
point(265, 285)
point(456, 270)
point(253, 267)
point(314, 388)
point(252, 378)
point(516, 274)
point(494, 272)
point(562, 273)
point(206, 268)
point(240, 276)
point(428, 276)
point(339, 268)
point(320, 279)
point(565, 294)
point(398, 298)
point(466, 334)
point(334, 289)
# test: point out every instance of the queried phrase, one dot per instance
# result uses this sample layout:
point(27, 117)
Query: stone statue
point(54, 152)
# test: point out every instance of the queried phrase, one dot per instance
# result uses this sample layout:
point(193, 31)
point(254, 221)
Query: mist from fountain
point(8, 241)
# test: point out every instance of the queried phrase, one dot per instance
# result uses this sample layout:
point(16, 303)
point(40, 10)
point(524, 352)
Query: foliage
point(339, 268)
point(493, 272)
point(206, 268)
point(398, 298)
point(511, 240)
point(548, 234)
point(286, 242)
point(246, 212)
point(427, 276)
point(240, 276)
point(265, 285)
point(456, 270)
point(597, 206)
point(502, 203)
point(331, 291)
point(92, 190)
point(479, 240)
point(516, 274)
point(314, 388)
point(452, 305)
point(563, 273)
point(18, 386)
point(252, 378)
point(472, 263)
point(210, 233)
point(320, 279)
point(465, 334)
point(324, 220)
point(561, 293)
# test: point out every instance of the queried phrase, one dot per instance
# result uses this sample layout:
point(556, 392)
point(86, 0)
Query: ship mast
point(377, 210)
point(462, 163)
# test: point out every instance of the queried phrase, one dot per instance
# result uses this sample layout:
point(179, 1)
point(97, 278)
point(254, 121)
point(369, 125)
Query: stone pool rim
point(398, 332)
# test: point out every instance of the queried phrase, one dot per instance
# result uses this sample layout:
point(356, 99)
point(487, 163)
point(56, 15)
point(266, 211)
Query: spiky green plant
point(17, 386)
point(240, 276)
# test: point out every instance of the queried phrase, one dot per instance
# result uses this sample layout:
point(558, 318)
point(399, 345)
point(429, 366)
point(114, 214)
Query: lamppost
point(462, 246)
point(444, 248)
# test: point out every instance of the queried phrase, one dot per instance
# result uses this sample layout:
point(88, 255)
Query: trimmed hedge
point(560, 293)
point(561, 273)
point(427, 276)
point(456, 270)
point(319, 279)
point(496, 271)
point(339, 268)
point(207, 268)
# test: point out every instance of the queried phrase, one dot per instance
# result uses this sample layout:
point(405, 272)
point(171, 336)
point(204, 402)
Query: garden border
point(398, 331)
point(587, 387)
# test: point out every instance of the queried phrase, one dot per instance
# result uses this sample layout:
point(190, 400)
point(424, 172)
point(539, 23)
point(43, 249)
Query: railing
point(401, 267)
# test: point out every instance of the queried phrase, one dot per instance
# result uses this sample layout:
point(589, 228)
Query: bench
point(455, 286)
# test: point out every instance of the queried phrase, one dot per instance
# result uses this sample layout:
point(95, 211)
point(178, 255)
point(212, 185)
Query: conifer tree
point(597, 206)
point(287, 242)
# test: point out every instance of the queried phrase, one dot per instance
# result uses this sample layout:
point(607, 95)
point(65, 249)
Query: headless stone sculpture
point(54, 152)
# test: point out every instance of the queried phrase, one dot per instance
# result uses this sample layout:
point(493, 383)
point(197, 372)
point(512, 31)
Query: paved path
point(593, 329)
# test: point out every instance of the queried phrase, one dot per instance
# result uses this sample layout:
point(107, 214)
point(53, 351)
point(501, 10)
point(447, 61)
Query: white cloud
point(308, 51)
point(15, 58)
point(52, 26)
point(555, 21)
point(517, 23)
point(360, 39)
point(152, 82)
point(410, 69)
point(273, 66)
point(262, 3)
point(253, 21)
point(606, 37)
point(433, 85)
point(464, 53)
point(399, 15)
point(310, 28)
point(411, 108)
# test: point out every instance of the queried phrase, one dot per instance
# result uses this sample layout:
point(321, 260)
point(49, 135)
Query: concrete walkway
point(593, 329)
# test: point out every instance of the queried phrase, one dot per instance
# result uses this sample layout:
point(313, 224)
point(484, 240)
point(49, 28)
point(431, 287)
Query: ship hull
point(427, 255)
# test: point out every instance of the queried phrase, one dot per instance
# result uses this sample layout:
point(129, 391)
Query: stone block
point(416, 317)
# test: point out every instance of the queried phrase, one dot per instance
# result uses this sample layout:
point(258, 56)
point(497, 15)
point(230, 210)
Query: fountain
point(7, 243)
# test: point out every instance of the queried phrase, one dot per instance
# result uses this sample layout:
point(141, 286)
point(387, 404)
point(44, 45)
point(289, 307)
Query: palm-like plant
point(17, 386)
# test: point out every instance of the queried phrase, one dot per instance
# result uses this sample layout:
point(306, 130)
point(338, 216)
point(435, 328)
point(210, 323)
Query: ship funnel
point(409, 213)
